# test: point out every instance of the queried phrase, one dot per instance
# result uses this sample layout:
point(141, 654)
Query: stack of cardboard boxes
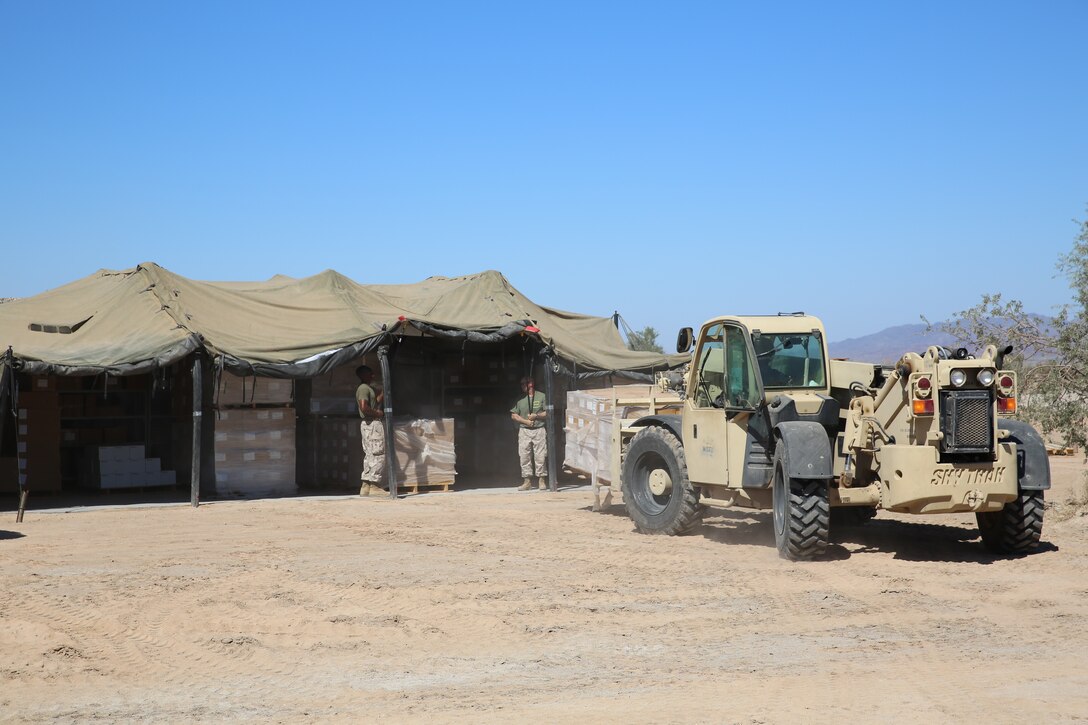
point(334, 392)
point(338, 455)
point(424, 450)
point(590, 420)
point(38, 436)
point(255, 439)
point(589, 432)
point(425, 453)
point(240, 390)
point(113, 467)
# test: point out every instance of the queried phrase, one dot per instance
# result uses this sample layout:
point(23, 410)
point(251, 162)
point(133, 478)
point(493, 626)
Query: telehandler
point(768, 421)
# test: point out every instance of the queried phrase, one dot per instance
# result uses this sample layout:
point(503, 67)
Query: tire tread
point(690, 513)
point(809, 515)
point(1016, 528)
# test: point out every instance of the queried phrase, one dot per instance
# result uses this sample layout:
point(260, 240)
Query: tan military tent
point(136, 320)
point(144, 319)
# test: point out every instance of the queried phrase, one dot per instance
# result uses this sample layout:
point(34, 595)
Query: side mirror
point(685, 339)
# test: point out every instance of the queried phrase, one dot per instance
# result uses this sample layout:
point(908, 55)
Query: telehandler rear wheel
point(802, 513)
point(1016, 528)
point(657, 494)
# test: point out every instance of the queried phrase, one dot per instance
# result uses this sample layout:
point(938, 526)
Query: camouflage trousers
point(373, 435)
point(533, 451)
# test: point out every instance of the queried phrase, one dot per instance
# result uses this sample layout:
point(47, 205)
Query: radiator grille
point(967, 421)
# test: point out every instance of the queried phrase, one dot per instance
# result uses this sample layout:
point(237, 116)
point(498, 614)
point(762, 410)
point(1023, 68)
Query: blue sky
point(866, 162)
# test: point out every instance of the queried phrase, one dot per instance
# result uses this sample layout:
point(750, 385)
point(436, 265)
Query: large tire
point(1016, 528)
point(802, 512)
point(656, 491)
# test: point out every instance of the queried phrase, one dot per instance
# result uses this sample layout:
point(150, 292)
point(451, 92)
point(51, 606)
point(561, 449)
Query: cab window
point(790, 360)
point(725, 377)
point(742, 388)
point(710, 370)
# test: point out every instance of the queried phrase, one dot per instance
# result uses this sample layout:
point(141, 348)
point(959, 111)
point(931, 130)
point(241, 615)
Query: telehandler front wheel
point(802, 513)
point(1016, 528)
point(657, 494)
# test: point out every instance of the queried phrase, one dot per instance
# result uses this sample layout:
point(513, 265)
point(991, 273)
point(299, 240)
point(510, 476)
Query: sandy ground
point(498, 606)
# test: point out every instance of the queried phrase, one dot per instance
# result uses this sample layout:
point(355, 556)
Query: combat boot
point(542, 483)
point(364, 490)
point(527, 485)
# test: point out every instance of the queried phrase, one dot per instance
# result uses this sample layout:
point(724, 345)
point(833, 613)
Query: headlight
point(958, 378)
point(985, 378)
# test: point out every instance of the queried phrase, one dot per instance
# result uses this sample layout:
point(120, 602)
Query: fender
point(1032, 465)
point(807, 449)
point(675, 423)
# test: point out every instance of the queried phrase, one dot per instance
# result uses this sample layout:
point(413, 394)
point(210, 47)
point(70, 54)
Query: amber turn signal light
point(1004, 405)
point(923, 407)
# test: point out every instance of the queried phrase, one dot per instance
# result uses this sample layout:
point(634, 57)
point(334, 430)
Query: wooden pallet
point(439, 487)
point(596, 485)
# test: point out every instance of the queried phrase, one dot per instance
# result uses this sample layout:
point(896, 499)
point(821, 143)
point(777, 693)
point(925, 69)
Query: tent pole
point(5, 375)
point(549, 419)
point(198, 413)
point(8, 398)
point(387, 420)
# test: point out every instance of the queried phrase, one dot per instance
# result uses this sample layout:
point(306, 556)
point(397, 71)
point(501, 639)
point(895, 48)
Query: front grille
point(967, 421)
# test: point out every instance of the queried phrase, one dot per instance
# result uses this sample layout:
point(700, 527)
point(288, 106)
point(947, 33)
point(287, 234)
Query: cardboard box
point(255, 452)
point(589, 423)
point(115, 467)
point(334, 392)
point(237, 390)
point(43, 382)
point(424, 451)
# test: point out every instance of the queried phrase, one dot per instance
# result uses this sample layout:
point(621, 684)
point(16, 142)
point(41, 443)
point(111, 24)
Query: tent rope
point(627, 331)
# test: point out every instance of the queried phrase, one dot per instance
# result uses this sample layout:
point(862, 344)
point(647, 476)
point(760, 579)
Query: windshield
point(789, 360)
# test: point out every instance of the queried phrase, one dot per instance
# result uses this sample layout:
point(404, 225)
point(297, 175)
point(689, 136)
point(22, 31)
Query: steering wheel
point(717, 401)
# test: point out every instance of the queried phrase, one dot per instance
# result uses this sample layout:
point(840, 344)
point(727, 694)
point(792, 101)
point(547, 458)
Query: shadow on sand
point(905, 540)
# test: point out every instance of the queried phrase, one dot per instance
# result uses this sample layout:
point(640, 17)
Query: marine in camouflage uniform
point(372, 432)
point(529, 413)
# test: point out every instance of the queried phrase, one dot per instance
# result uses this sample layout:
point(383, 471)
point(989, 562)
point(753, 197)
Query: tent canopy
point(136, 320)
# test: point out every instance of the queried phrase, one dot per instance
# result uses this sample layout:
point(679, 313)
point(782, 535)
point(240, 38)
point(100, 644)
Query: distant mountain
point(888, 345)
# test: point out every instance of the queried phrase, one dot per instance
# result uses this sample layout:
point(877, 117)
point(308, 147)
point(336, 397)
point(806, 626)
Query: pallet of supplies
point(425, 453)
point(590, 420)
point(255, 452)
point(588, 429)
point(114, 467)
